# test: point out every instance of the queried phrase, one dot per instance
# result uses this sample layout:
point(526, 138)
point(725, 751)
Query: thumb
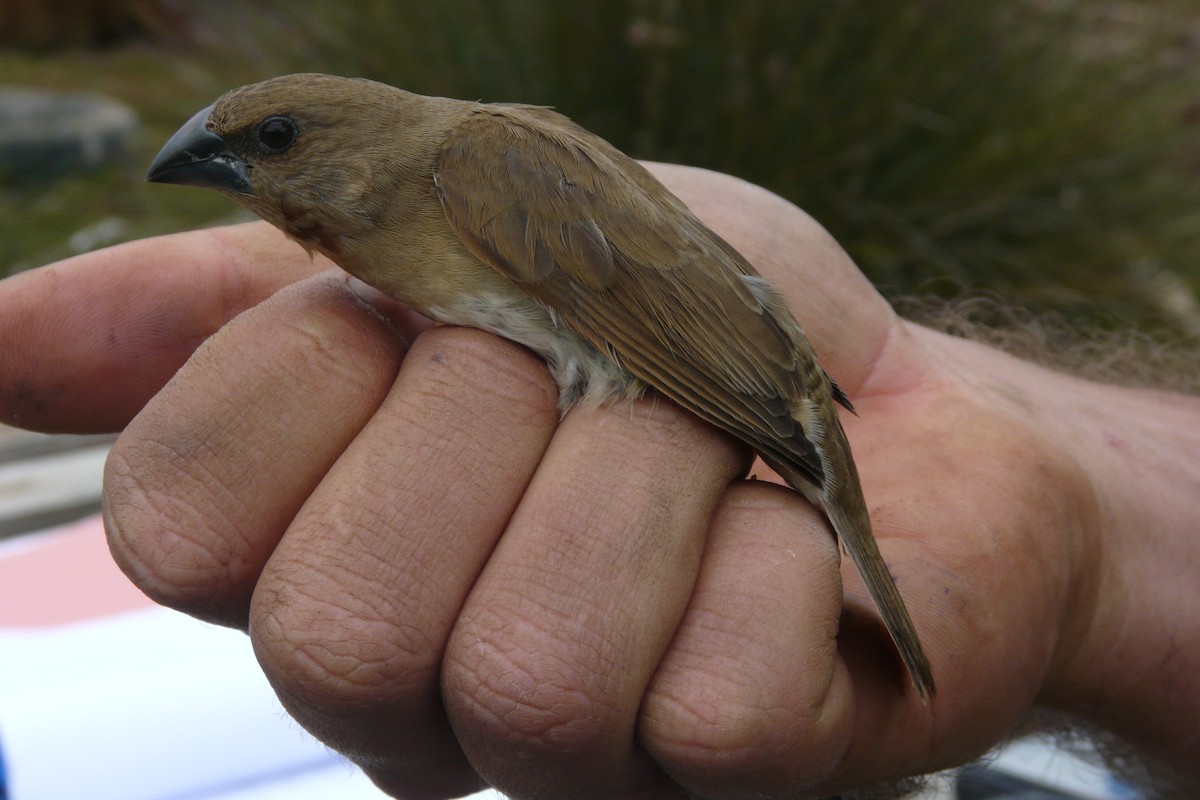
point(87, 341)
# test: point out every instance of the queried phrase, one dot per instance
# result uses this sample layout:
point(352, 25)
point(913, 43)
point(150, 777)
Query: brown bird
point(515, 220)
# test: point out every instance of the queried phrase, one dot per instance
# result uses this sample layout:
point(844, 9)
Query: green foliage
point(1045, 150)
point(1032, 148)
point(49, 218)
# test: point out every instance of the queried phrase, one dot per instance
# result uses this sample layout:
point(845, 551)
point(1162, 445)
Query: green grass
point(1044, 151)
point(39, 217)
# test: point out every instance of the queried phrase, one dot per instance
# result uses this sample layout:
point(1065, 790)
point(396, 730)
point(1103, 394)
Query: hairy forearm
point(1130, 642)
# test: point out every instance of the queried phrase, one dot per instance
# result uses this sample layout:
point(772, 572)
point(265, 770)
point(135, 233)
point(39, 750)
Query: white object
point(107, 697)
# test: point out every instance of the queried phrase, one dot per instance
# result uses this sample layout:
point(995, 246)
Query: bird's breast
point(582, 372)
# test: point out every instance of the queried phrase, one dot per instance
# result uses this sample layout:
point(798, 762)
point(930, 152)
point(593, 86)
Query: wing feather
point(588, 232)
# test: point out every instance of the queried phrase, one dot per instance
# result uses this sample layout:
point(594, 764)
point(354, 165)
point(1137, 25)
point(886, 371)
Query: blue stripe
point(3, 782)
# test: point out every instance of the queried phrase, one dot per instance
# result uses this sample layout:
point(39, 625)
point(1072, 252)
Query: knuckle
point(719, 729)
point(331, 645)
point(163, 542)
point(714, 731)
point(509, 692)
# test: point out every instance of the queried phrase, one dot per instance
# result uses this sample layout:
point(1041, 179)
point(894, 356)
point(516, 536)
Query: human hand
point(450, 585)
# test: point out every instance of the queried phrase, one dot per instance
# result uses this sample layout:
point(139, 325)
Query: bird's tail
point(842, 501)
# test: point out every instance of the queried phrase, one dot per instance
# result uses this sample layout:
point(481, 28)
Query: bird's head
point(296, 150)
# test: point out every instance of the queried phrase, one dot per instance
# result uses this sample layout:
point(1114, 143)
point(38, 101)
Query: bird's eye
point(277, 134)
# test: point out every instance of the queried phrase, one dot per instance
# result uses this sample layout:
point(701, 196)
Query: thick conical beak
point(195, 156)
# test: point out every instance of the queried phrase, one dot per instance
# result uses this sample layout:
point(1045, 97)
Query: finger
point(352, 613)
point(88, 341)
point(978, 551)
point(950, 562)
point(560, 635)
point(752, 699)
point(847, 321)
point(202, 484)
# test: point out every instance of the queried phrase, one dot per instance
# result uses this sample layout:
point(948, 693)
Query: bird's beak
point(195, 156)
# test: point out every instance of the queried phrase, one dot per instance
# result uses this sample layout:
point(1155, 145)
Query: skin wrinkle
point(727, 728)
point(351, 566)
point(218, 458)
point(203, 451)
point(546, 711)
point(715, 620)
point(872, 359)
point(414, 423)
point(345, 663)
point(222, 518)
point(905, 381)
point(318, 346)
point(717, 718)
point(194, 573)
point(142, 565)
point(475, 370)
point(321, 351)
point(376, 615)
point(494, 645)
point(307, 675)
point(373, 617)
point(204, 464)
point(744, 756)
point(721, 675)
point(609, 561)
point(431, 453)
point(563, 614)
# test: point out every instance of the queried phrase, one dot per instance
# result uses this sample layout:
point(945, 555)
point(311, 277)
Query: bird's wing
point(588, 232)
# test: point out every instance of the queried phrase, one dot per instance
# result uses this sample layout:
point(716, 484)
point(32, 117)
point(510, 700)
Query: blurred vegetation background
point(1046, 151)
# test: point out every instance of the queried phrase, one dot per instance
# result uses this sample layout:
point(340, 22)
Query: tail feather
point(854, 532)
point(842, 501)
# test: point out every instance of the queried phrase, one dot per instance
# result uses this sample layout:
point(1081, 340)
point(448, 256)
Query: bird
point(513, 219)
